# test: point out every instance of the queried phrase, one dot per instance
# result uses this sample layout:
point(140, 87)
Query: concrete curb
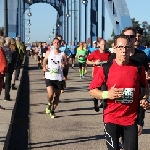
point(6, 143)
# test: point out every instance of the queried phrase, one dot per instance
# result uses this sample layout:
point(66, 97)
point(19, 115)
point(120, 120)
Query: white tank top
point(55, 70)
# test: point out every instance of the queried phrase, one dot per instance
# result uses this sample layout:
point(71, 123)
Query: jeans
point(8, 77)
point(18, 69)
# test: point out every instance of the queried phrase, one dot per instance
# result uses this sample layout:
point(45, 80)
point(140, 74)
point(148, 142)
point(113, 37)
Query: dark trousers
point(113, 131)
point(18, 69)
point(8, 85)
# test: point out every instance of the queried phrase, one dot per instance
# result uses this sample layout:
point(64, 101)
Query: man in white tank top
point(54, 75)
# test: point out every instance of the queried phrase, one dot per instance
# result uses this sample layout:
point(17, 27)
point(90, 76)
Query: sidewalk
point(7, 115)
point(77, 126)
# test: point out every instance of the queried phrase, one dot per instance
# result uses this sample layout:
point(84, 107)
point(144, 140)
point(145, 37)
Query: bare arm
point(113, 93)
point(45, 60)
point(90, 62)
point(65, 59)
point(96, 93)
point(97, 62)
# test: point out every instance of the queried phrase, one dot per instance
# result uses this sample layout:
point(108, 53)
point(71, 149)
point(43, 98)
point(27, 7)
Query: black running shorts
point(55, 83)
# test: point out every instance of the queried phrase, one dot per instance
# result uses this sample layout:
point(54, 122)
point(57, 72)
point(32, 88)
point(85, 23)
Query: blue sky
point(44, 19)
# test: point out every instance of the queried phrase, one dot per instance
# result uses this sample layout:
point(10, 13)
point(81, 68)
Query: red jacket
point(3, 65)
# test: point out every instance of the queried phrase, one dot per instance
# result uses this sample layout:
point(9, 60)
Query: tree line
point(144, 25)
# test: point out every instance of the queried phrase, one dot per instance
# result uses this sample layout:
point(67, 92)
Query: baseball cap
point(94, 42)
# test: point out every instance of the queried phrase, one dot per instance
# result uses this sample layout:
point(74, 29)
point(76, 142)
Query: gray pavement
point(6, 116)
point(77, 126)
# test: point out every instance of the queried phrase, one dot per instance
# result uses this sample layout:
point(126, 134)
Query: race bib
point(127, 97)
point(44, 54)
point(54, 71)
point(53, 74)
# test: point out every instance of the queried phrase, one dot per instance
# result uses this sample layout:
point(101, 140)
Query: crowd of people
point(121, 85)
point(12, 53)
point(120, 78)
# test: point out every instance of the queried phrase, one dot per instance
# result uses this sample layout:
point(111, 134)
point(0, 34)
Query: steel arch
point(16, 9)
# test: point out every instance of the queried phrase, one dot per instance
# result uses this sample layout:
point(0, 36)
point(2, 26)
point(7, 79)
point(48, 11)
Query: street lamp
point(29, 13)
point(29, 24)
point(30, 1)
point(49, 38)
point(85, 3)
point(67, 15)
point(60, 23)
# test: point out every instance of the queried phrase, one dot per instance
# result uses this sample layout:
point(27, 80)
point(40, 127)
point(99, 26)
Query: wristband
point(105, 94)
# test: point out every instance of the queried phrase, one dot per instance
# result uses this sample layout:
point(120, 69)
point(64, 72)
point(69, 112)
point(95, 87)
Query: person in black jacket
point(15, 50)
point(11, 61)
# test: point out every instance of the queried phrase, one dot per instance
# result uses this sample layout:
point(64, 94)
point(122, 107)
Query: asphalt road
point(77, 126)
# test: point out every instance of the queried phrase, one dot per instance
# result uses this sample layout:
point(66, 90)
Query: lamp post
point(30, 1)
point(29, 13)
point(54, 32)
point(75, 21)
point(5, 18)
point(85, 3)
point(67, 22)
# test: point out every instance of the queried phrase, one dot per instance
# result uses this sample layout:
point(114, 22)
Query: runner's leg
point(112, 132)
point(131, 137)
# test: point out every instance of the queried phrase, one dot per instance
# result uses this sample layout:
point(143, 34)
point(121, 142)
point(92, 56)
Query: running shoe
point(48, 109)
point(72, 65)
point(96, 107)
point(83, 76)
point(52, 114)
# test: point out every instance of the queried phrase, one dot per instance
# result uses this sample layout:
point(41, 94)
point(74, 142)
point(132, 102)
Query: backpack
point(106, 67)
point(8, 54)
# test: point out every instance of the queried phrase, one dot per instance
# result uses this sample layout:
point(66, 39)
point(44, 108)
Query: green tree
point(113, 34)
point(135, 23)
point(145, 30)
point(109, 42)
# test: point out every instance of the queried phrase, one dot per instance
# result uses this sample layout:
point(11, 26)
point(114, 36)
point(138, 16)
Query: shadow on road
point(146, 131)
point(79, 140)
point(19, 134)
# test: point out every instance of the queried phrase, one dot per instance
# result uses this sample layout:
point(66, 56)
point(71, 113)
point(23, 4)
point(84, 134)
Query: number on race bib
point(127, 96)
point(44, 54)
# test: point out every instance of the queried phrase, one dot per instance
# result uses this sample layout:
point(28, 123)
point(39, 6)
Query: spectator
point(11, 61)
point(21, 50)
point(3, 66)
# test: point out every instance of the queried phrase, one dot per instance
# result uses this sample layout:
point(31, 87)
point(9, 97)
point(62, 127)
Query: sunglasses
point(130, 36)
point(123, 47)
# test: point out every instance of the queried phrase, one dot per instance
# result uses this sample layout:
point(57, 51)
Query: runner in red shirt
point(96, 58)
point(123, 85)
